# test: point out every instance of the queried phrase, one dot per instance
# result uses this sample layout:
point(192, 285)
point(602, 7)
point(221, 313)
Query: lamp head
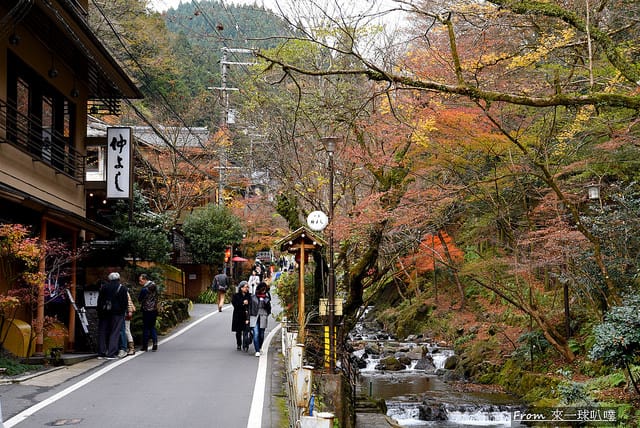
point(330, 143)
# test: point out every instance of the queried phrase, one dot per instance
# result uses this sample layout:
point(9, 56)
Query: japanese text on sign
point(119, 163)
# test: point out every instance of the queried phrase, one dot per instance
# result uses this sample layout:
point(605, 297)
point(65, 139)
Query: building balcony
point(42, 143)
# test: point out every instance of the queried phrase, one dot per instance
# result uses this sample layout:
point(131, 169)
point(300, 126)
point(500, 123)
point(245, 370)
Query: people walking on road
point(254, 280)
point(126, 339)
point(131, 308)
point(259, 270)
point(149, 303)
point(122, 341)
point(112, 304)
point(259, 311)
point(219, 285)
point(240, 319)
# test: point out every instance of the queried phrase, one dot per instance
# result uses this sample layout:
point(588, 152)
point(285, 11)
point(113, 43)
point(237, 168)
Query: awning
point(53, 213)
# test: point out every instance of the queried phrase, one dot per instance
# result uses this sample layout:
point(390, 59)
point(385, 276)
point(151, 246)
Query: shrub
point(14, 367)
point(617, 339)
point(207, 296)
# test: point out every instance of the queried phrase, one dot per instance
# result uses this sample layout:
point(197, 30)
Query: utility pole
point(224, 121)
point(253, 139)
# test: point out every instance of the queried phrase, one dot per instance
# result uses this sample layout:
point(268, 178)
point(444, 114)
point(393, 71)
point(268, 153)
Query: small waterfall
point(405, 414)
point(481, 415)
point(409, 414)
point(440, 357)
point(414, 390)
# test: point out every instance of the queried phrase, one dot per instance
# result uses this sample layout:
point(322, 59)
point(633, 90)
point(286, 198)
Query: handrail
point(44, 145)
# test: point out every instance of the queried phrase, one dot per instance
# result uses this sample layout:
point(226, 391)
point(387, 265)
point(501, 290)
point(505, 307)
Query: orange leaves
point(16, 244)
point(20, 255)
point(434, 250)
point(222, 137)
point(8, 303)
point(34, 279)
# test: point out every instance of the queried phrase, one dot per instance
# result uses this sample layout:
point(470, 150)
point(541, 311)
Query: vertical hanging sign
point(119, 163)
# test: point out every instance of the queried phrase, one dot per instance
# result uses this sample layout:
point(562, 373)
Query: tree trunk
point(553, 337)
point(454, 271)
point(359, 271)
point(633, 381)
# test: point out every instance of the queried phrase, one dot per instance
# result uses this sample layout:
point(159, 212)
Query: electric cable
point(141, 115)
point(147, 78)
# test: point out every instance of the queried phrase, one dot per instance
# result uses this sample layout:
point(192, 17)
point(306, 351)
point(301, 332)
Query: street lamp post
point(330, 145)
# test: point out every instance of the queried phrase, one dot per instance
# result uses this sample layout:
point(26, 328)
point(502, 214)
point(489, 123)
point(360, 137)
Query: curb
point(66, 359)
point(6, 381)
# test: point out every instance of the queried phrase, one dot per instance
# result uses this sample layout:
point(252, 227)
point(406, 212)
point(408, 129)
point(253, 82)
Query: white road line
point(255, 415)
point(20, 417)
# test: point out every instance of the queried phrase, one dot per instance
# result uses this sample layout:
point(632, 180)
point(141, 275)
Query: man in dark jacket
point(112, 305)
point(220, 285)
point(149, 303)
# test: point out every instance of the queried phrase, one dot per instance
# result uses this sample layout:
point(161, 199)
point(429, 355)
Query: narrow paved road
point(196, 379)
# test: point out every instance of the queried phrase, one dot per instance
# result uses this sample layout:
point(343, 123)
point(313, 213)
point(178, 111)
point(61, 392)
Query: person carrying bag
point(220, 285)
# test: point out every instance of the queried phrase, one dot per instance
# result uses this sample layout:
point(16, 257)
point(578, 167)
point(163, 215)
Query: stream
point(411, 377)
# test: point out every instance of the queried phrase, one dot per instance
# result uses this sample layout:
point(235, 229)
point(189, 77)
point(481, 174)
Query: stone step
point(365, 404)
point(370, 420)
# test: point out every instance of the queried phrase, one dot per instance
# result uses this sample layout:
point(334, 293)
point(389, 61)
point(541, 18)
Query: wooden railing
point(43, 144)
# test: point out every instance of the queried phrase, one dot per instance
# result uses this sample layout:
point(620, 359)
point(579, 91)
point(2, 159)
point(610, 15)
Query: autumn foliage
point(434, 250)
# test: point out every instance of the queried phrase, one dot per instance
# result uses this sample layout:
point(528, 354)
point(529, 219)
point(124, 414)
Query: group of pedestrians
point(251, 312)
point(115, 312)
point(251, 309)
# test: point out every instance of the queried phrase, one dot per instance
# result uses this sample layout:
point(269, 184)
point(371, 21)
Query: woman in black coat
point(240, 320)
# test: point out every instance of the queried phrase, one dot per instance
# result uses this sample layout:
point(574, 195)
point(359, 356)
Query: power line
point(147, 78)
point(141, 115)
point(209, 21)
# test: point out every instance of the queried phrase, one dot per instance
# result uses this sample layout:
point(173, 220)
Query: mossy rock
point(545, 402)
point(451, 362)
point(475, 359)
point(390, 364)
point(530, 386)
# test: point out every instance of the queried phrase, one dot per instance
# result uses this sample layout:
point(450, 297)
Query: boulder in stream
point(391, 364)
point(432, 411)
point(426, 363)
point(451, 362)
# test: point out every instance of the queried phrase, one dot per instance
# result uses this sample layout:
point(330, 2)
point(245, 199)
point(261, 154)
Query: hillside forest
point(485, 173)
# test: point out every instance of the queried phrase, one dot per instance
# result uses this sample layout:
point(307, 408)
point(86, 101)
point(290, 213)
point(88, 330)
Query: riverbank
point(499, 352)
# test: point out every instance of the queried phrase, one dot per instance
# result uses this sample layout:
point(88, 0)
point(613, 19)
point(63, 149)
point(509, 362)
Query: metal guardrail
point(43, 144)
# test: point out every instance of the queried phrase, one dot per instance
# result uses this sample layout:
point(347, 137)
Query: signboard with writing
point(91, 299)
point(317, 221)
point(265, 256)
point(119, 163)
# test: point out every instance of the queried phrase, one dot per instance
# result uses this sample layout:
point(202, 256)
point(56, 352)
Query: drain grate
point(63, 422)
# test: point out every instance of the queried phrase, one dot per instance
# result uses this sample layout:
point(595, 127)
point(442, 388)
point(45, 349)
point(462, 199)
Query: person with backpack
point(112, 305)
point(149, 304)
point(219, 285)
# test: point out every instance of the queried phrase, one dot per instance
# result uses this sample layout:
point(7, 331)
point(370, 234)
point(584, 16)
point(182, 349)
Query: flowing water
point(418, 395)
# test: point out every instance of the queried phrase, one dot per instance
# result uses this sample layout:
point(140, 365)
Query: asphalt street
point(196, 379)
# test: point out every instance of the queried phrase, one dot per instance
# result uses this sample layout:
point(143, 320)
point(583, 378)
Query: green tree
point(617, 339)
point(142, 234)
point(209, 231)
